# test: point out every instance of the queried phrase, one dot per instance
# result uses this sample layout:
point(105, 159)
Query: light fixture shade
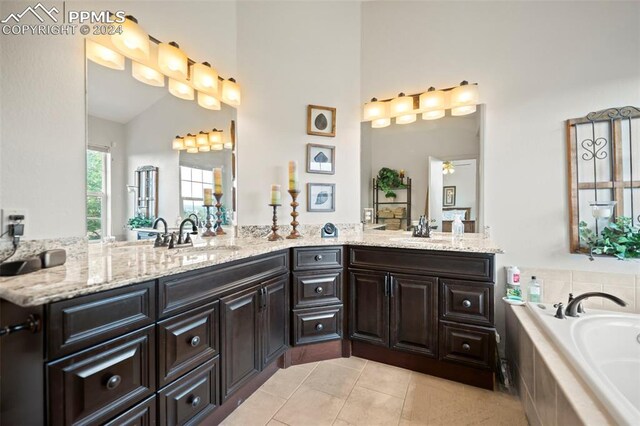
point(228, 145)
point(133, 41)
point(401, 105)
point(215, 137)
point(464, 99)
point(178, 143)
point(375, 110)
point(205, 148)
point(192, 150)
point(432, 100)
point(190, 141)
point(202, 139)
point(406, 119)
point(104, 56)
point(172, 61)
point(433, 115)
point(205, 78)
point(181, 90)
point(463, 110)
point(146, 75)
point(231, 92)
point(448, 168)
point(217, 147)
point(208, 102)
point(380, 123)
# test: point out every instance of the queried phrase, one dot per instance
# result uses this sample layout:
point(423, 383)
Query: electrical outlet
point(6, 221)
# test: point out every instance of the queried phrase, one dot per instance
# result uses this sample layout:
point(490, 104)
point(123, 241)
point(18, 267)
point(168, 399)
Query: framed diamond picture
point(321, 197)
point(321, 159)
point(321, 121)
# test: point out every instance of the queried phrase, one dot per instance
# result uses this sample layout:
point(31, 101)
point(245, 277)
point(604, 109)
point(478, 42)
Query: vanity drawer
point(466, 301)
point(96, 384)
point(191, 398)
point(143, 414)
point(317, 258)
point(467, 344)
point(313, 288)
point(315, 325)
point(186, 341)
point(81, 322)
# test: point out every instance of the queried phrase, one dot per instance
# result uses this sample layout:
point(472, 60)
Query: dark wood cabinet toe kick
point(189, 348)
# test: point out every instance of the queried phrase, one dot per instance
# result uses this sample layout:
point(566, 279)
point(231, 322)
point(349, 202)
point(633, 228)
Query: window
point(98, 166)
point(193, 181)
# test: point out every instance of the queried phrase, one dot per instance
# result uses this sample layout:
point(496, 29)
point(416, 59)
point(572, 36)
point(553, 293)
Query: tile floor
point(354, 391)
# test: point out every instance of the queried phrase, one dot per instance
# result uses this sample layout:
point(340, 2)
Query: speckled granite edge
point(76, 248)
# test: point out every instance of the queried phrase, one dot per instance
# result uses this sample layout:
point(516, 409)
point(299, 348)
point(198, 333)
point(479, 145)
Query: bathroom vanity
point(200, 331)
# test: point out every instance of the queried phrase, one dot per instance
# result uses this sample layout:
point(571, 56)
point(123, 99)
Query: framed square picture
point(321, 197)
point(321, 159)
point(321, 121)
point(448, 196)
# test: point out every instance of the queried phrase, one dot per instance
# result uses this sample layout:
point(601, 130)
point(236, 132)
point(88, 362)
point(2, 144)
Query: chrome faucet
point(572, 307)
point(162, 240)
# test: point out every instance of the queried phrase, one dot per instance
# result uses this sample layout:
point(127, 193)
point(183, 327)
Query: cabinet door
point(240, 334)
point(414, 314)
point(369, 307)
point(275, 318)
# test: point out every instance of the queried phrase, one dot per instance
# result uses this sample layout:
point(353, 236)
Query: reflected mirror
point(134, 174)
point(437, 166)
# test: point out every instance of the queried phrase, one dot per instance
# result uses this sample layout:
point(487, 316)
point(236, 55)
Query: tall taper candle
point(294, 183)
point(208, 197)
point(276, 197)
point(217, 180)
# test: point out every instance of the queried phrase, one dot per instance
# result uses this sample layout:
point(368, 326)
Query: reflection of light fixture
point(104, 56)
point(208, 102)
point(133, 41)
point(228, 145)
point(204, 78)
point(380, 123)
point(231, 92)
point(448, 168)
point(146, 74)
point(180, 90)
point(202, 139)
point(432, 103)
point(602, 209)
point(178, 143)
point(215, 137)
point(205, 148)
point(464, 99)
point(192, 150)
point(217, 147)
point(190, 141)
point(172, 61)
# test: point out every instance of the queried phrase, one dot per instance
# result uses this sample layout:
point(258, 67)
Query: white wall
point(464, 179)
point(291, 54)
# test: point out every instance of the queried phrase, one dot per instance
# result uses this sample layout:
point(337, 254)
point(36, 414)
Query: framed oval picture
point(321, 120)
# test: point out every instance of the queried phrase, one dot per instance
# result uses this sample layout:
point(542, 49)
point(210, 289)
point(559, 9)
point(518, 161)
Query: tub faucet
point(572, 307)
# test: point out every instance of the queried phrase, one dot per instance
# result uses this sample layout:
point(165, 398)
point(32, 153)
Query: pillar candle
point(276, 197)
point(208, 199)
point(294, 183)
point(217, 180)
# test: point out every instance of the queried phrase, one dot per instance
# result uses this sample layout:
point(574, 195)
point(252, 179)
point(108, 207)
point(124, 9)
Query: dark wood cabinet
point(467, 301)
point(315, 288)
point(369, 307)
point(315, 325)
point(275, 319)
point(143, 414)
point(414, 314)
point(467, 344)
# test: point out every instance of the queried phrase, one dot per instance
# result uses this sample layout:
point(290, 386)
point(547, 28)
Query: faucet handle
point(187, 239)
point(559, 312)
point(172, 240)
point(158, 242)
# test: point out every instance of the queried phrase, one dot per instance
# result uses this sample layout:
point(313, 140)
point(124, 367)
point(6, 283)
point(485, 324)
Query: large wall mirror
point(440, 165)
point(133, 173)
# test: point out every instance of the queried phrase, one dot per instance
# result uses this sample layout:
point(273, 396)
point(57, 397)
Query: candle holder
point(274, 236)
point(208, 224)
point(219, 230)
point(294, 214)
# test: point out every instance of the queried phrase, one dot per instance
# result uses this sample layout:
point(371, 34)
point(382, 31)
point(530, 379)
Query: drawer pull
point(318, 257)
point(114, 382)
point(319, 327)
point(466, 303)
point(319, 290)
point(195, 401)
point(195, 341)
point(466, 347)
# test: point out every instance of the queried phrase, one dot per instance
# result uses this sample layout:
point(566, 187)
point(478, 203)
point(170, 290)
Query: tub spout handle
point(580, 307)
point(560, 311)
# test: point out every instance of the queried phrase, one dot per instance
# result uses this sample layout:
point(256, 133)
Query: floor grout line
point(351, 391)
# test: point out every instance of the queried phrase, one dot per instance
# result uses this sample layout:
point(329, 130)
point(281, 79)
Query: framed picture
point(321, 121)
point(321, 197)
point(449, 196)
point(321, 159)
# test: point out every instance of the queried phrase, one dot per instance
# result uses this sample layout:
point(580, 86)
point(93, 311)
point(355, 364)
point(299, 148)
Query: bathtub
point(604, 349)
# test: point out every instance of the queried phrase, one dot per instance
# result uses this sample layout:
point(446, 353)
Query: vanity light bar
point(461, 100)
point(203, 141)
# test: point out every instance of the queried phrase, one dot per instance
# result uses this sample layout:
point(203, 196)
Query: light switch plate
point(6, 222)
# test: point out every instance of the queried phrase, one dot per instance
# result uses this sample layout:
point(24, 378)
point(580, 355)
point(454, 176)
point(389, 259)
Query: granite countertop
point(113, 265)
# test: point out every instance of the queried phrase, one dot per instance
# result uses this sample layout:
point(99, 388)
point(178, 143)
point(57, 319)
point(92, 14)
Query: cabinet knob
point(319, 327)
point(318, 257)
point(194, 401)
point(195, 341)
point(466, 347)
point(466, 303)
point(319, 290)
point(114, 382)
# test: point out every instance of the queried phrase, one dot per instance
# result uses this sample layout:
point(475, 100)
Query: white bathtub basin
point(604, 348)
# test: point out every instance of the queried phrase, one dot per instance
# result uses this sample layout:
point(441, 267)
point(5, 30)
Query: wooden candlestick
point(208, 224)
point(273, 236)
point(294, 214)
point(219, 230)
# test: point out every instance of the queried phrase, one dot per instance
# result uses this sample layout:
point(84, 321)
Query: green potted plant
point(140, 221)
point(388, 180)
point(619, 239)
